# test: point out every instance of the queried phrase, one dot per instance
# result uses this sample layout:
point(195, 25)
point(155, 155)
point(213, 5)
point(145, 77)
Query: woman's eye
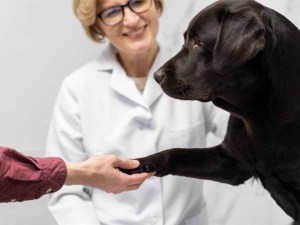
point(137, 3)
point(112, 12)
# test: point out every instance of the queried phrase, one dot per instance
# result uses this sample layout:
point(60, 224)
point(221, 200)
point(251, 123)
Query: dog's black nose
point(159, 76)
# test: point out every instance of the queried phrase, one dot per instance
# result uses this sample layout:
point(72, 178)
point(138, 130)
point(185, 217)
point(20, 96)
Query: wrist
point(75, 174)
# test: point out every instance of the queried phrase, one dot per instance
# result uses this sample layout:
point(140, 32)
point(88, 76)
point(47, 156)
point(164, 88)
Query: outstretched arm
point(26, 178)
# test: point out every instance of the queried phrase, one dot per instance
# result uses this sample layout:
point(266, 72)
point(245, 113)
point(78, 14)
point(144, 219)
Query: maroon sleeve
point(25, 178)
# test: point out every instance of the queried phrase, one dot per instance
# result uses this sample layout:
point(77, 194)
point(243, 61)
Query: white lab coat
point(99, 110)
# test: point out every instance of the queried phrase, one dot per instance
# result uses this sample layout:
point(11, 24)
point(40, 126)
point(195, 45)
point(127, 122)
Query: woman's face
point(135, 33)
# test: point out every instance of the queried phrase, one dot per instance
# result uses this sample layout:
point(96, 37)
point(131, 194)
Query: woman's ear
point(241, 37)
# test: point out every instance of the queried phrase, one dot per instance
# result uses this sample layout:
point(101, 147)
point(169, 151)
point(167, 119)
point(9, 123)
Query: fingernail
point(135, 163)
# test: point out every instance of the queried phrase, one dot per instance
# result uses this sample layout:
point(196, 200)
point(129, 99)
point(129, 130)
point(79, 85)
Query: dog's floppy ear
point(240, 38)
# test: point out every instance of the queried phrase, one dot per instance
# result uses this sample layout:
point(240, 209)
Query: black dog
point(245, 58)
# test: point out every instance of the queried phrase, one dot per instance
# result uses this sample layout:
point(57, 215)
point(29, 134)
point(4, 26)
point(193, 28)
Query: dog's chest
point(256, 148)
point(264, 153)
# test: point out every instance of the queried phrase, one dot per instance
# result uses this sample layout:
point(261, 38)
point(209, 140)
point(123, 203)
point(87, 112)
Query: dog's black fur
point(245, 58)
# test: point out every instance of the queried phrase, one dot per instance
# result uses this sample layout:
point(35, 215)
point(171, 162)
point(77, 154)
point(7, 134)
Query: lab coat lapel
point(126, 87)
point(119, 81)
point(152, 89)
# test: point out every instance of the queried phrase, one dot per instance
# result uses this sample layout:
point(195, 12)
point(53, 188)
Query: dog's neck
point(278, 102)
point(272, 103)
point(283, 74)
point(284, 102)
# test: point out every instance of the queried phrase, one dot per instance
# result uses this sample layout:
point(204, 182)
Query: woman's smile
point(137, 33)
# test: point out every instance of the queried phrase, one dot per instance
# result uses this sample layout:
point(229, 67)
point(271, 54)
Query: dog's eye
point(197, 43)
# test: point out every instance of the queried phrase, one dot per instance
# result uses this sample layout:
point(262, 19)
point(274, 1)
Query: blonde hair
point(86, 10)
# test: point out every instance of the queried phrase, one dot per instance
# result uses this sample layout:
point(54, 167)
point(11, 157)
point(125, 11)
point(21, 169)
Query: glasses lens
point(112, 16)
point(140, 6)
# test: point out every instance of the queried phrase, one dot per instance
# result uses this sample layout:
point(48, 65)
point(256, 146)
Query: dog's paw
point(141, 169)
point(153, 163)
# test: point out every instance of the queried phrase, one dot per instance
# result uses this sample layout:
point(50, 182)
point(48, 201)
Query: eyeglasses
point(115, 15)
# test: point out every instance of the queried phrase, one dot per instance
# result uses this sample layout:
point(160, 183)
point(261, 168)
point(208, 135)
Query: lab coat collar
point(152, 89)
point(107, 59)
point(125, 86)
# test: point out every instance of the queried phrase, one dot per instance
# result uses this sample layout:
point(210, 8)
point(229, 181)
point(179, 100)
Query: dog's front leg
point(207, 163)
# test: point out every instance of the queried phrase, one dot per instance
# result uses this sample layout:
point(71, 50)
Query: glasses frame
point(99, 15)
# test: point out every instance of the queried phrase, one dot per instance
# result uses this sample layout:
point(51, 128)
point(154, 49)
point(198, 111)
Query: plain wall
point(41, 42)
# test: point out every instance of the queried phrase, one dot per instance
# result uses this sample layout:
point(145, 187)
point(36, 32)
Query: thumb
point(128, 163)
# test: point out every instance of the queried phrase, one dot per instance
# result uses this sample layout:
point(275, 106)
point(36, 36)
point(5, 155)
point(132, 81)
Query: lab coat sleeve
point(72, 204)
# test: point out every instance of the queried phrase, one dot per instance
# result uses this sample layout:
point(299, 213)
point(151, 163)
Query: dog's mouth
point(206, 97)
point(185, 93)
point(180, 92)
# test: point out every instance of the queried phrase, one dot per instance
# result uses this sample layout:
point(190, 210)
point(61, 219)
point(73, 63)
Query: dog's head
point(219, 51)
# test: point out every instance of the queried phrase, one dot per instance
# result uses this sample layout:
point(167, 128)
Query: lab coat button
point(151, 178)
point(214, 128)
point(87, 191)
point(142, 126)
point(153, 221)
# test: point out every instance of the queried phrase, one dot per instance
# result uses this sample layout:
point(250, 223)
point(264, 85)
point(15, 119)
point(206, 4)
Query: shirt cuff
point(54, 174)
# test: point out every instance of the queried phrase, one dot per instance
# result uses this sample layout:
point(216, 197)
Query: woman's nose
point(130, 17)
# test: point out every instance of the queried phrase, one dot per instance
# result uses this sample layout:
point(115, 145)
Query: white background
point(41, 42)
